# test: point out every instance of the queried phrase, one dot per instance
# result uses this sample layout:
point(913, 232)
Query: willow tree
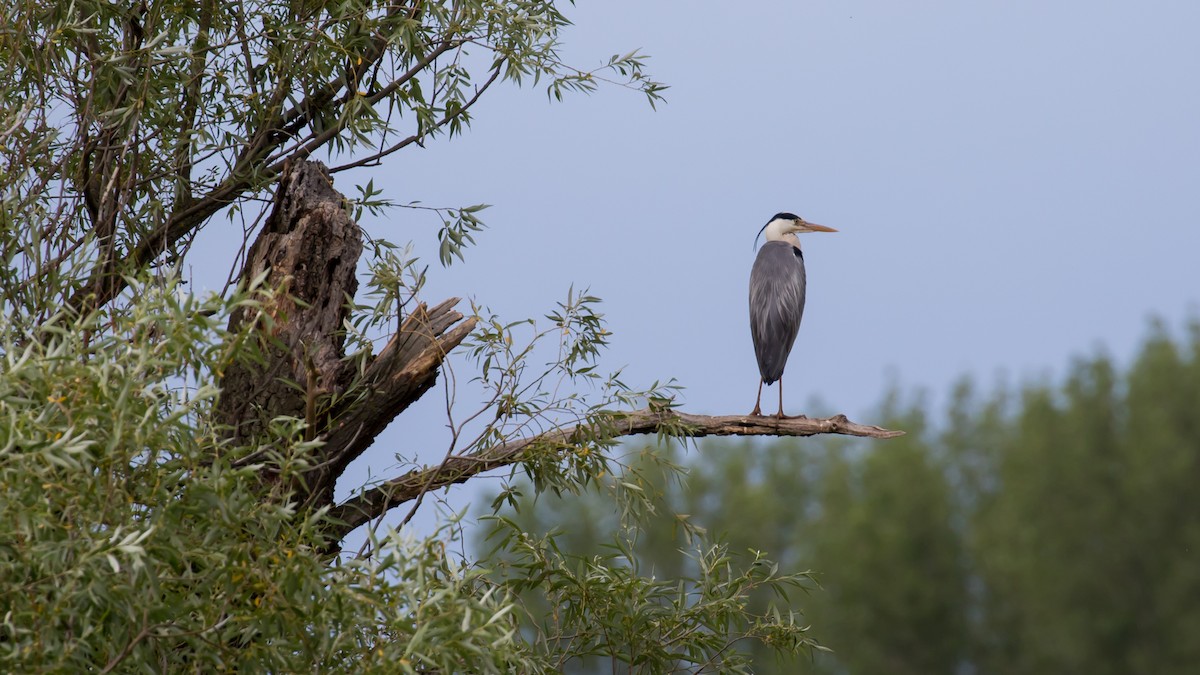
point(168, 460)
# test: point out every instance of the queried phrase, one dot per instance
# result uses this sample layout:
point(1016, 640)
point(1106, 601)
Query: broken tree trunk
point(309, 250)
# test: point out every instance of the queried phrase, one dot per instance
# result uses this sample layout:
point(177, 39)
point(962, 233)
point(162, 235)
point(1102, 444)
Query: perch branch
point(381, 498)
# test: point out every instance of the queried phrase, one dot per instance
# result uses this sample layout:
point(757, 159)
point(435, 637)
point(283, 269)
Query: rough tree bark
point(309, 250)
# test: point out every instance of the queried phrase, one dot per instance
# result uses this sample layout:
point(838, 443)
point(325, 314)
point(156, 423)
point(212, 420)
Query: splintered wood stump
point(309, 248)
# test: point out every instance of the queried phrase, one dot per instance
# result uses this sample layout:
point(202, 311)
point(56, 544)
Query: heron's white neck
point(777, 231)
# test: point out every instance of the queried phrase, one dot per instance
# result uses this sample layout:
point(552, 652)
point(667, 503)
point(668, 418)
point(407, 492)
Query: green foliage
point(457, 226)
point(702, 606)
point(131, 540)
point(1045, 530)
point(1090, 531)
point(584, 611)
point(891, 562)
point(124, 127)
point(522, 398)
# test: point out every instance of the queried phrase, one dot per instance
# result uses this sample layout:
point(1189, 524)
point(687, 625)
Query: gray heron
point(777, 298)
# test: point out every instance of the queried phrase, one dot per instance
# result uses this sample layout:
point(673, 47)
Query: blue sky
point(1014, 183)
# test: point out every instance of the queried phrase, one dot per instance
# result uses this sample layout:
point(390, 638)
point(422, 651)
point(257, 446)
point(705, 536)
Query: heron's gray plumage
point(777, 286)
point(777, 298)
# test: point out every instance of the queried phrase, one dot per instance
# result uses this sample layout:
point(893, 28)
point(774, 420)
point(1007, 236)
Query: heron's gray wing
point(776, 305)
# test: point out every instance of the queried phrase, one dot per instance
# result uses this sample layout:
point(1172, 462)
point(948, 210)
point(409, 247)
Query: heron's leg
point(758, 401)
point(780, 415)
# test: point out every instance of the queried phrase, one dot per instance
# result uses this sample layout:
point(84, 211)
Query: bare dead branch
point(378, 500)
point(406, 368)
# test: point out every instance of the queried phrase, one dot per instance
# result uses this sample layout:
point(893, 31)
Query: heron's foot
point(757, 412)
point(780, 416)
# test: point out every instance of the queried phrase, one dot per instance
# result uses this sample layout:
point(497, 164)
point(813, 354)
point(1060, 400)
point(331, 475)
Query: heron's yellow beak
point(804, 226)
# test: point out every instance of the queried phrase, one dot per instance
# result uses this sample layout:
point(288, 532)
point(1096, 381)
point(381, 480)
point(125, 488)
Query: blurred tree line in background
point(1050, 528)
